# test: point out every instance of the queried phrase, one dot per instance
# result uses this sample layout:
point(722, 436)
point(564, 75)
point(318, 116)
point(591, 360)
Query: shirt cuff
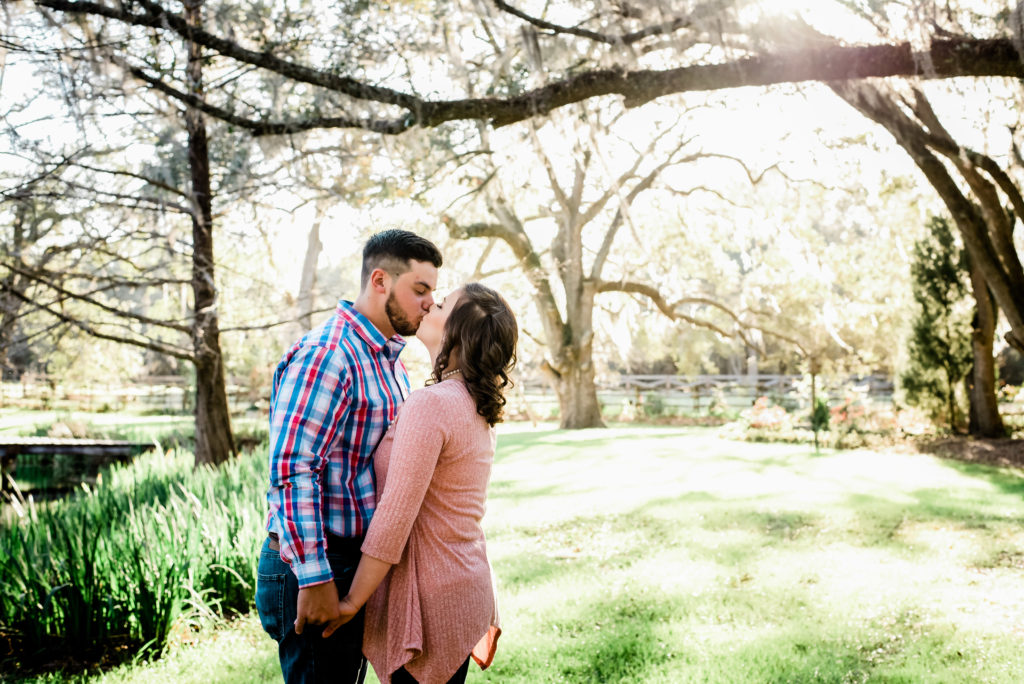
point(314, 571)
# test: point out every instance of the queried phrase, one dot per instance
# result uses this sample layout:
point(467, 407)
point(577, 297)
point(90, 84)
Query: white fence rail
point(679, 393)
point(167, 393)
point(697, 394)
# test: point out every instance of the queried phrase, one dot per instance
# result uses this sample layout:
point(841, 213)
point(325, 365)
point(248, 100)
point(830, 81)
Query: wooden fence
point(700, 394)
point(156, 393)
point(690, 394)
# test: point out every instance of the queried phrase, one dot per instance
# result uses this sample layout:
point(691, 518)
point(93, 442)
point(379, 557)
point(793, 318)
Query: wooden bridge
point(91, 454)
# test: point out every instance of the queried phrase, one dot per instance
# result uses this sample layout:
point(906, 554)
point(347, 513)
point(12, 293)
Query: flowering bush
point(848, 415)
point(851, 424)
point(1008, 393)
point(764, 416)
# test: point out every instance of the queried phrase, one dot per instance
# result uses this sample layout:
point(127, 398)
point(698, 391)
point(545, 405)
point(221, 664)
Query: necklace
point(448, 374)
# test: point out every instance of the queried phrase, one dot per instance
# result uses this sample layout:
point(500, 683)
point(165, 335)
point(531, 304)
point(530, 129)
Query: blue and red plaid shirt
point(335, 393)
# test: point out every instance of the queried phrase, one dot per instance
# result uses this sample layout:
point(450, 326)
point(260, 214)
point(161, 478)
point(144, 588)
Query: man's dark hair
point(393, 249)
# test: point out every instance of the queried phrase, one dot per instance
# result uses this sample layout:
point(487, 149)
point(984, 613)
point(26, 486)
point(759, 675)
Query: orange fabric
point(438, 602)
point(483, 652)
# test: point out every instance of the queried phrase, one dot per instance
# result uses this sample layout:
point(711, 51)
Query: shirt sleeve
point(418, 441)
point(312, 397)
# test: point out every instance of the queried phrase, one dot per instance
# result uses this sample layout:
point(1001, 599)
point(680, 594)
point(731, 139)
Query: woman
point(424, 575)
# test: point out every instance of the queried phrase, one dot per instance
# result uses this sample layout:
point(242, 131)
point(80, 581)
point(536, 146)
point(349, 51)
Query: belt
point(335, 544)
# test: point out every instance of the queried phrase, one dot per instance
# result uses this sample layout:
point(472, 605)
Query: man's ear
point(380, 281)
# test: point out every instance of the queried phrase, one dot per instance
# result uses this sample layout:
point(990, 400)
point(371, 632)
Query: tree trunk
point(814, 406)
point(985, 420)
point(992, 251)
point(951, 401)
point(577, 396)
point(214, 441)
point(307, 282)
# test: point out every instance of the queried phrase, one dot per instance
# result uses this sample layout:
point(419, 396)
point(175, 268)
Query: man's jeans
point(308, 658)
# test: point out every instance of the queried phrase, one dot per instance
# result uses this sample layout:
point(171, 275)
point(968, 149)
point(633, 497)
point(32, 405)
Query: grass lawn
point(641, 554)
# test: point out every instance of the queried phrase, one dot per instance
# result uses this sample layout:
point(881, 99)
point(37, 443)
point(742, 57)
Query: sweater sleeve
point(418, 441)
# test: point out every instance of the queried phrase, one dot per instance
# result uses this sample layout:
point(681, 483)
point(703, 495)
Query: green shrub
point(654, 405)
point(120, 562)
point(820, 415)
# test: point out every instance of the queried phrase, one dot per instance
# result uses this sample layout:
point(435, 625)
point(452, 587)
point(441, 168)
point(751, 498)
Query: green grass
point(113, 568)
point(671, 555)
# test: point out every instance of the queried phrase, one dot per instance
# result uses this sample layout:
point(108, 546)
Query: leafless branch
point(609, 39)
point(671, 310)
point(50, 281)
point(946, 58)
point(275, 324)
point(159, 347)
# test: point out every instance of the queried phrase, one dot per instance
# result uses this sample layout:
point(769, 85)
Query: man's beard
point(399, 321)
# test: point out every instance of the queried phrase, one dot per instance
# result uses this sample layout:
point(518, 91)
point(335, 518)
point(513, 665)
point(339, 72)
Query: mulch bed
point(998, 452)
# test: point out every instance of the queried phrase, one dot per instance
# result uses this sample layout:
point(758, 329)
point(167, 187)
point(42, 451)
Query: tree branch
point(670, 309)
point(609, 39)
point(158, 347)
point(946, 58)
point(48, 281)
point(519, 243)
point(156, 183)
point(260, 127)
point(626, 202)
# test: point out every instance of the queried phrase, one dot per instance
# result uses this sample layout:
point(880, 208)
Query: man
point(334, 394)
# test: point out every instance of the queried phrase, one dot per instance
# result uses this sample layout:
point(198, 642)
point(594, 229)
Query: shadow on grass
point(939, 505)
point(726, 638)
point(590, 544)
point(738, 636)
point(771, 524)
point(1008, 481)
point(601, 641)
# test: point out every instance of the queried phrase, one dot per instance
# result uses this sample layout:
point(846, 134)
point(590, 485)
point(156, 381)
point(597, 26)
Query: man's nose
point(428, 302)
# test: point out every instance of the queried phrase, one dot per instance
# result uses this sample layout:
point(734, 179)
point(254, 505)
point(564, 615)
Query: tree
point(945, 58)
point(640, 54)
point(940, 344)
point(214, 443)
point(985, 225)
point(583, 211)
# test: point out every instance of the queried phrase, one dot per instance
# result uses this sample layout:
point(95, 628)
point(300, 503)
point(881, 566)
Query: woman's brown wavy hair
point(484, 331)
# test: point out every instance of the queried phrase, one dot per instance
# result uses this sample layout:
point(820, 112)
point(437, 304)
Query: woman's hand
point(369, 574)
point(347, 610)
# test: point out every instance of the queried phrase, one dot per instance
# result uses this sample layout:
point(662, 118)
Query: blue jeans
point(308, 658)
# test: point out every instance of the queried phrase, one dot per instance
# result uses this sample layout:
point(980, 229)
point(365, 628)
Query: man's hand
point(347, 610)
point(318, 605)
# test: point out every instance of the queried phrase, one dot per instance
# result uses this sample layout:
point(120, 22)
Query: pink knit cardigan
point(437, 604)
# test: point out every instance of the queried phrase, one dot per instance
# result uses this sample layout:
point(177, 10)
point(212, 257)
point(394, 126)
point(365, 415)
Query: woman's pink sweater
point(437, 603)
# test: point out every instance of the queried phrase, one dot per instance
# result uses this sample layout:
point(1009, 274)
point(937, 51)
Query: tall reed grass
point(116, 564)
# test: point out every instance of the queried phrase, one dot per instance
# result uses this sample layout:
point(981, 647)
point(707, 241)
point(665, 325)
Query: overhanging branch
point(159, 347)
point(671, 310)
point(49, 282)
point(665, 27)
point(946, 58)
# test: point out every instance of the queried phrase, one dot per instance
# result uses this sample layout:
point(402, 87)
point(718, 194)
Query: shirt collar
point(368, 331)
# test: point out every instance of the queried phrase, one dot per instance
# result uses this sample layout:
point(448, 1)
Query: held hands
point(347, 610)
point(317, 605)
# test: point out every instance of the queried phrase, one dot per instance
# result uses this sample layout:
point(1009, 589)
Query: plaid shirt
point(335, 393)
